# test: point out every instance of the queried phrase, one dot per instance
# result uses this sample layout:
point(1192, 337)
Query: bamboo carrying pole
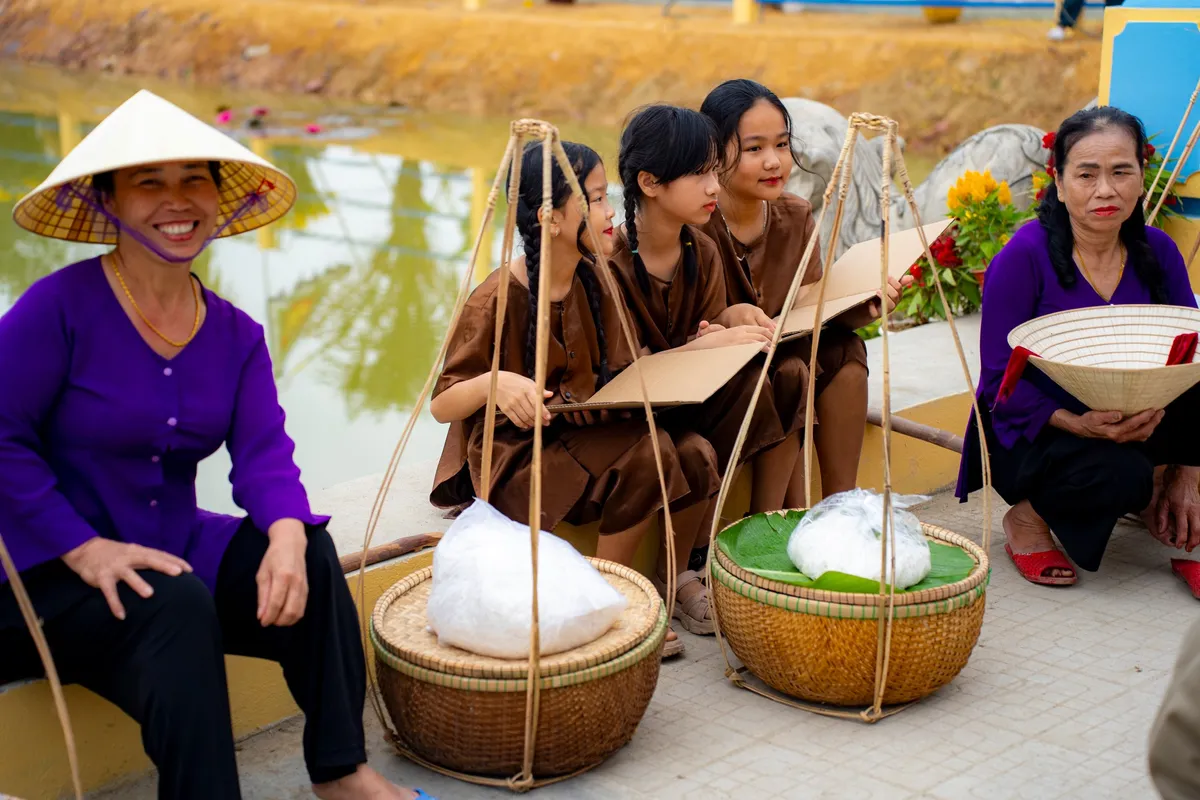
point(552, 149)
point(43, 649)
point(1171, 149)
point(841, 180)
point(1183, 157)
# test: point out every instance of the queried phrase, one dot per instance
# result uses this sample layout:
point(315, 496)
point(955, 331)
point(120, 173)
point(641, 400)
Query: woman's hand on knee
point(1115, 427)
point(283, 575)
point(1179, 509)
point(104, 563)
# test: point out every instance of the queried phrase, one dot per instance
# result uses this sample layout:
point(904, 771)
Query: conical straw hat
point(1113, 358)
point(147, 129)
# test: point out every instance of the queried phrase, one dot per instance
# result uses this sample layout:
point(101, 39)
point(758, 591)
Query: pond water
point(354, 286)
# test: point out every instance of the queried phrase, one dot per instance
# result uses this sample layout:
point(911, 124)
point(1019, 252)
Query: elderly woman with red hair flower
point(1067, 471)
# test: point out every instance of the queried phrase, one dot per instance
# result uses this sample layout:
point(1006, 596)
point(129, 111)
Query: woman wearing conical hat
point(121, 373)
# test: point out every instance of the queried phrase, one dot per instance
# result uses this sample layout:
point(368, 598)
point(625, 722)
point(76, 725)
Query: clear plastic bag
point(482, 589)
point(842, 534)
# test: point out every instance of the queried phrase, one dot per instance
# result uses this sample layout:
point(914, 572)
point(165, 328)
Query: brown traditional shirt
point(673, 309)
point(760, 272)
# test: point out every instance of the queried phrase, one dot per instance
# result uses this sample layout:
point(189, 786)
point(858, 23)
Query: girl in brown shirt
point(762, 232)
point(674, 285)
point(594, 468)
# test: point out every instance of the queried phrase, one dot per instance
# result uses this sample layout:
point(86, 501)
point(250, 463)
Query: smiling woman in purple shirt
point(1068, 471)
point(121, 374)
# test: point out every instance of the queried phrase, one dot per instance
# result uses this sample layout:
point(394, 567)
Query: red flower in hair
point(1049, 139)
point(1150, 151)
point(1040, 193)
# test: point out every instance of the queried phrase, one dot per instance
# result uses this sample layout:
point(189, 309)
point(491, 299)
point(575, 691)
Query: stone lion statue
point(1011, 152)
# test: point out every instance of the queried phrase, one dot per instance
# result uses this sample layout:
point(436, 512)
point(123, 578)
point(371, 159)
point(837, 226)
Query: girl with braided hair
point(674, 284)
point(596, 467)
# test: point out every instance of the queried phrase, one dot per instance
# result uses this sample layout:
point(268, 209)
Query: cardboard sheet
point(854, 278)
point(673, 378)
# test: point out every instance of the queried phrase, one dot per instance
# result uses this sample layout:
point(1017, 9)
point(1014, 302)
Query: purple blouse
point(100, 435)
point(1021, 285)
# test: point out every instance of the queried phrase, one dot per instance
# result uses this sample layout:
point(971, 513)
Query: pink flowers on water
point(313, 127)
point(225, 117)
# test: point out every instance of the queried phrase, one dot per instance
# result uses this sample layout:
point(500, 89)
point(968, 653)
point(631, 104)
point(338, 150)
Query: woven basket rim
point(489, 670)
point(937, 594)
point(646, 648)
point(843, 611)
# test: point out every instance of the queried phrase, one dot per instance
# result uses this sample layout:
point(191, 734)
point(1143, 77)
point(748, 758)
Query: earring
point(554, 231)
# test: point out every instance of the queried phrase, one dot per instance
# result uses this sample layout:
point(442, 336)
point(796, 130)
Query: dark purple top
point(100, 435)
point(1021, 285)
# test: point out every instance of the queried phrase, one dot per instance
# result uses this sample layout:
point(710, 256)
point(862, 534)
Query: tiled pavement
point(1056, 703)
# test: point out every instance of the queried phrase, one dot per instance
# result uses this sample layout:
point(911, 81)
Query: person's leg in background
point(1068, 16)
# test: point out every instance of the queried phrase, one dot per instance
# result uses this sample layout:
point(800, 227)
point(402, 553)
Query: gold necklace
point(195, 296)
point(1088, 275)
point(736, 241)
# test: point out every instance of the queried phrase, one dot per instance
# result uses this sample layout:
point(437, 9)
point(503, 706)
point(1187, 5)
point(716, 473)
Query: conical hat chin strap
point(256, 200)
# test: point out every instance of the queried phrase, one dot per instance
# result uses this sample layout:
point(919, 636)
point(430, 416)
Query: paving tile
point(1057, 701)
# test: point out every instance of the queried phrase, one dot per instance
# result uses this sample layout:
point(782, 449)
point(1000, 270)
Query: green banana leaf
point(758, 544)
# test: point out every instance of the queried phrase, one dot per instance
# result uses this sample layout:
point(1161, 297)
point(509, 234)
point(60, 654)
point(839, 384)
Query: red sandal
point(1189, 571)
point(1034, 566)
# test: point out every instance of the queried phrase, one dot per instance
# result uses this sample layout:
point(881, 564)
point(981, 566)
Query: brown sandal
point(672, 648)
point(694, 614)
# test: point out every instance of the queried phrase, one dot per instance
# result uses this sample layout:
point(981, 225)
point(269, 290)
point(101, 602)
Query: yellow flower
point(1004, 194)
point(1040, 180)
point(989, 184)
point(952, 199)
point(1004, 239)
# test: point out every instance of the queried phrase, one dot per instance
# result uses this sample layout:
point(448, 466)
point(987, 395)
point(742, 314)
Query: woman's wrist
point(1065, 421)
point(285, 528)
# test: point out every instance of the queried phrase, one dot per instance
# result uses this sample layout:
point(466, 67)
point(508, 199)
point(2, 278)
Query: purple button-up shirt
point(1021, 285)
point(100, 435)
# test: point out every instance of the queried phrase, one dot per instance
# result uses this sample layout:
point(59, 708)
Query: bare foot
point(365, 784)
point(673, 646)
point(1029, 533)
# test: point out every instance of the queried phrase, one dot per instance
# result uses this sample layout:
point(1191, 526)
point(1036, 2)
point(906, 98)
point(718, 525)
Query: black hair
point(729, 102)
point(529, 201)
point(669, 143)
point(105, 183)
point(1052, 212)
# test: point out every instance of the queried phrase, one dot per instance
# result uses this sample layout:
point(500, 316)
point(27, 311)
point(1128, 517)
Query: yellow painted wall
point(33, 761)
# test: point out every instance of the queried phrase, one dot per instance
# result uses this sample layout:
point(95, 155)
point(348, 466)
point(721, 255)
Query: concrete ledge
point(927, 387)
point(34, 764)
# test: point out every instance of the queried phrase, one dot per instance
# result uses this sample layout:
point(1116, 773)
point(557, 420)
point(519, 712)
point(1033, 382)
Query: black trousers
point(1082, 487)
point(1068, 15)
point(164, 664)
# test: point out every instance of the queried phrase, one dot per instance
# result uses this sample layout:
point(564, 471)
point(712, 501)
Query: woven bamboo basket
point(1112, 358)
point(467, 713)
point(820, 646)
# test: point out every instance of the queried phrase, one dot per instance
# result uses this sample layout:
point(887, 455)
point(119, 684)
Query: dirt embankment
point(591, 63)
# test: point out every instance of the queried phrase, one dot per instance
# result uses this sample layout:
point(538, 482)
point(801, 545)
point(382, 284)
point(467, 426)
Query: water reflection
point(354, 286)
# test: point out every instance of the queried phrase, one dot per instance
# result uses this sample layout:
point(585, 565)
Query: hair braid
point(531, 239)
